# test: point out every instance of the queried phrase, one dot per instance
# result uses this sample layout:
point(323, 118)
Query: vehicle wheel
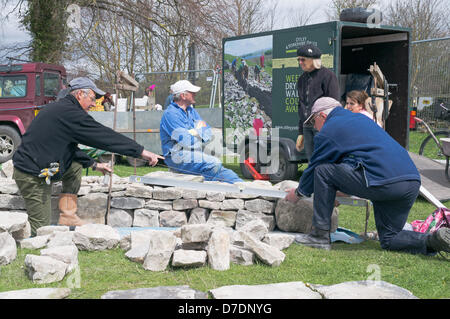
point(286, 170)
point(429, 148)
point(139, 162)
point(9, 142)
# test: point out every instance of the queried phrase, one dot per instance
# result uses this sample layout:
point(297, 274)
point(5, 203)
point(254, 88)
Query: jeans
point(308, 140)
point(199, 163)
point(391, 204)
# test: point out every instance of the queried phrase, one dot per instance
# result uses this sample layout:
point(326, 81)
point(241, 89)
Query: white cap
point(184, 86)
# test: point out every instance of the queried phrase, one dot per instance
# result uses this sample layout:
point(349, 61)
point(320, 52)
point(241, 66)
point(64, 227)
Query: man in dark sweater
point(370, 165)
point(315, 82)
point(49, 152)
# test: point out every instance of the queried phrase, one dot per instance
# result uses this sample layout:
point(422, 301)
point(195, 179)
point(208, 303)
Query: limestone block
point(161, 247)
point(245, 216)
point(146, 218)
point(44, 269)
point(269, 255)
point(127, 202)
point(198, 216)
point(8, 248)
point(279, 240)
point(219, 250)
point(260, 205)
point(170, 193)
point(222, 218)
point(184, 204)
point(298, 217)
point(139, 190)
point(92, 208)
point(189, 258)
point(119, 218)
point(66, 254)
point(172, 218)
point(37, 242)
point(60, 238)
point(12, 221)
point(195, 233)
point(241, 256)
point(256, 227)
point(93, 237)
point(158, 205)
point(232, 204)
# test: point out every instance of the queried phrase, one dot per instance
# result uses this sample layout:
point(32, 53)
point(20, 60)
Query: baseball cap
point(85, 83)
point(184, 86)
point(322, 104)
point(309, 51)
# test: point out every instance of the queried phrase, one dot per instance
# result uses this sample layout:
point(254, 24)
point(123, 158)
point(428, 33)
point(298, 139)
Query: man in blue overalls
point(183, 132)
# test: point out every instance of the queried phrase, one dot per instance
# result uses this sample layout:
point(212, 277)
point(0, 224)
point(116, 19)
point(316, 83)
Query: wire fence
point(430, 81)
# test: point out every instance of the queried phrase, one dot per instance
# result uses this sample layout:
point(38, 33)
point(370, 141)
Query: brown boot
point(68, 207)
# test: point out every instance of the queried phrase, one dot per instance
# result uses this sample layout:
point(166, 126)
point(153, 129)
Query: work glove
point(299, 145)
point(193, 132)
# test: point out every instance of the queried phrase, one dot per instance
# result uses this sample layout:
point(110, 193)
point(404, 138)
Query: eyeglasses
point(92, 98)
point(313, 120)
point(301, 59)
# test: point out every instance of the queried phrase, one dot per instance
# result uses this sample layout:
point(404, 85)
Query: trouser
point(37, 193)
point(391, 204)
point(199, 163)
point(308, 140)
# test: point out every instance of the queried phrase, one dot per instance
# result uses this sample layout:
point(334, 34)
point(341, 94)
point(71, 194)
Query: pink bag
point(438, 219)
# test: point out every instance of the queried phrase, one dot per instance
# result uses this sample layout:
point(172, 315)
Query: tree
point(427, 19)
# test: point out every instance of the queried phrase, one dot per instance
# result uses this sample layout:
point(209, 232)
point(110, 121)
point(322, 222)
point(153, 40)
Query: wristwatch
point(299, 195)
point(94, 167)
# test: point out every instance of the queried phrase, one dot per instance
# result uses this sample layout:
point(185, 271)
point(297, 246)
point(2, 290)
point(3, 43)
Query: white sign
point(423, 102)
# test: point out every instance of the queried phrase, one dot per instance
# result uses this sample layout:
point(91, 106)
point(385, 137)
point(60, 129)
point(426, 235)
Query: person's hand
point(152, 158)
point(299, 145)
point(103, 168)
point(200, 124)
point(292, 196)
point(193, 132)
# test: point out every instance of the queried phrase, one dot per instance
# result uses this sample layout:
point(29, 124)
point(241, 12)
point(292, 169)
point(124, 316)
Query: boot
point(317, 238)
point(439, 240)
point(68, 207)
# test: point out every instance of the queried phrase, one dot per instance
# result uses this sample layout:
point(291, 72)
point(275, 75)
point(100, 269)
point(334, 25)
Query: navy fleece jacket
point(355, 139)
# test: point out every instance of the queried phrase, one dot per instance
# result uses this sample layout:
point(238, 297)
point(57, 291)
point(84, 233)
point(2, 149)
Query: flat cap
point(309, 51)
point(85, 83)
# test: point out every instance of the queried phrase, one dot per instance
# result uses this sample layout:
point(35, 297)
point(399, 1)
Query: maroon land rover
point(24, 88)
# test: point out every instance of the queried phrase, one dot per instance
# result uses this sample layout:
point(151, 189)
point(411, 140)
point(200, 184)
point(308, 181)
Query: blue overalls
point(183, 151)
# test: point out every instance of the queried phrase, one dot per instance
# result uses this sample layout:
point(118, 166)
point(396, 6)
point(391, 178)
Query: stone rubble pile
point(205, 227)
point(242, 109)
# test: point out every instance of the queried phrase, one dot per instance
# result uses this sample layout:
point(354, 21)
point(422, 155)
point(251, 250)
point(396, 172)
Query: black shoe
point(317, 239)
point(440, 240)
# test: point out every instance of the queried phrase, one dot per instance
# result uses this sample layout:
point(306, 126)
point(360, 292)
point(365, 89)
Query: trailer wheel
point(9, 142)
point(286, 170)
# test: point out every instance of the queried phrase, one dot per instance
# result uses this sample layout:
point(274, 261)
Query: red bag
point(438, 219)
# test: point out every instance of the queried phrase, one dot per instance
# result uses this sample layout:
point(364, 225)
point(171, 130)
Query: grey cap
point(85, 83)
point(322, 104)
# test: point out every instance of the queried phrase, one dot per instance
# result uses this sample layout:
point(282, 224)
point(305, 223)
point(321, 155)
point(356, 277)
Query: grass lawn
point(425, 277)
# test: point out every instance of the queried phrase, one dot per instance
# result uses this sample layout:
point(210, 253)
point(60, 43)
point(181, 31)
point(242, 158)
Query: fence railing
point(430, 81)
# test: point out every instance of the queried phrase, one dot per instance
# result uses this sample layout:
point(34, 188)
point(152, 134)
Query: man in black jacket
point(315, 82)
point(49, 152)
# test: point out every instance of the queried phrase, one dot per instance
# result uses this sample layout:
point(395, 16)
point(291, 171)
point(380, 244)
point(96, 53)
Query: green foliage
point(46, 21)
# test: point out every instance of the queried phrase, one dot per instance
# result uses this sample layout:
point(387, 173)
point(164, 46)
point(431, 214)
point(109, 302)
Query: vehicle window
point(38, 85)
point(51, 84)
point(12, 86)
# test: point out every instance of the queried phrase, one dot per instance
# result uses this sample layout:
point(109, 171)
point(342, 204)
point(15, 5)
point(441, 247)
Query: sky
point(11, 31)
